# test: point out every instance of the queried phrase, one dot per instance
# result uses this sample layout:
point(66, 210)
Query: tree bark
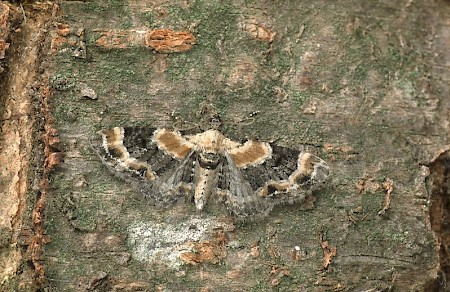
point(361, 84)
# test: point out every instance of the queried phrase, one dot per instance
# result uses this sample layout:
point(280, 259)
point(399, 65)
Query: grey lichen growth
point(164, 242)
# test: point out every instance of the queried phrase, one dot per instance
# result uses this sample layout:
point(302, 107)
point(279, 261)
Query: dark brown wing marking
point(112, 142)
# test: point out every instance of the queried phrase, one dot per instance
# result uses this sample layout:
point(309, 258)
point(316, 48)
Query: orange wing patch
point(113, 142)
point(173, 143)
point(251, 153)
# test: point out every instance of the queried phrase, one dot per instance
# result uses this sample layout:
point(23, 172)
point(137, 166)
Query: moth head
point(209, 160)
point(210, 117)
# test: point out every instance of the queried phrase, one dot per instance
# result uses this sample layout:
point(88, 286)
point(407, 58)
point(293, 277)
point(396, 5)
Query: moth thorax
point(209, 160)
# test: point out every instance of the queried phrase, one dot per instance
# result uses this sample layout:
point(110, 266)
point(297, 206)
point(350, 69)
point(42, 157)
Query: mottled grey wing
point(286, 177)
point(132, 154)
point(280, 166)
point(240, 197)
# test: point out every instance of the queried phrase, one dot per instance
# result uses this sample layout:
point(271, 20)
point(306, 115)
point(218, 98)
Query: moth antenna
point(246, 121)
point(185, 126)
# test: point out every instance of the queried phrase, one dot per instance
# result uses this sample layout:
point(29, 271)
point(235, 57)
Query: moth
point(250, 178)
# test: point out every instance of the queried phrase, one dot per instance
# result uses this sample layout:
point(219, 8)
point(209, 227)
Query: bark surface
point(362, 84)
